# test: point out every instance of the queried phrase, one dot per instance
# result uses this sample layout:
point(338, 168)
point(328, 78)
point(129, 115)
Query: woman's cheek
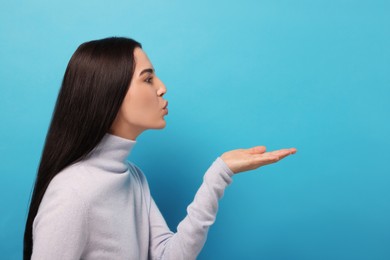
point(150, 100)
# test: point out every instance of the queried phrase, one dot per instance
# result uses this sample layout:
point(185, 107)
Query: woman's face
point(143, 106)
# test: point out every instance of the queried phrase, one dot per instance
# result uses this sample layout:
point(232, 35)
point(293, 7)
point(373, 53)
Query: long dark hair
point(94, 86)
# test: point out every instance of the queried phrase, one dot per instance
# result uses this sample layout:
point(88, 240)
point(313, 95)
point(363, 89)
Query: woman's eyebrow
point(151, 70)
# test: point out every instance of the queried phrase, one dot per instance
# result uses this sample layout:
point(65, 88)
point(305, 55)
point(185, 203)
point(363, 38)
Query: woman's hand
point(241, 160)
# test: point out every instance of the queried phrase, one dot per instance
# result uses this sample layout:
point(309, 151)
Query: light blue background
point(314, 75)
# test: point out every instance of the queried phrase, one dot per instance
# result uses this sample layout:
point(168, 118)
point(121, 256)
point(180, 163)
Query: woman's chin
point(161, 125)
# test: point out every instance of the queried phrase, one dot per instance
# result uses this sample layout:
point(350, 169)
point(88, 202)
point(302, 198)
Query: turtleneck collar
point(111, 153)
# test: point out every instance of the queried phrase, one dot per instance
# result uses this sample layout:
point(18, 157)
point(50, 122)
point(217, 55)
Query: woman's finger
point(266, 158)
point(274, 156)
point(283, 152)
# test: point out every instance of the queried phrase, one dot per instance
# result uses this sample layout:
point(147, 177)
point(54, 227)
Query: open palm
point(240, 160)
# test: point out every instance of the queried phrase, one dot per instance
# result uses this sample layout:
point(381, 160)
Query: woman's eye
point(149, 80)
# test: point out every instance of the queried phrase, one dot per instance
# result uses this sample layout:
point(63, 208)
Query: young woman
point(89, 202)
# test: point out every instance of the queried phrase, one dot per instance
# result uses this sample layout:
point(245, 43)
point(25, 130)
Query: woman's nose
point(162, 89)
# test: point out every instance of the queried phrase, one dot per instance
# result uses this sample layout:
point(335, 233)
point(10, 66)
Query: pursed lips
point(166, 104)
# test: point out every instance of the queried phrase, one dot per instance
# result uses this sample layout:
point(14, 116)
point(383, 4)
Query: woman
point(89, 202)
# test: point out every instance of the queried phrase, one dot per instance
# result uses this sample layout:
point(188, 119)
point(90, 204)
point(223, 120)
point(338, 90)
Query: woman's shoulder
point(137, 172)
point(74, 180)
point(70, 177)
point(64, 189)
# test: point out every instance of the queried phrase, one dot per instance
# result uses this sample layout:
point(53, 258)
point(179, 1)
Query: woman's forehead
point(141, 59)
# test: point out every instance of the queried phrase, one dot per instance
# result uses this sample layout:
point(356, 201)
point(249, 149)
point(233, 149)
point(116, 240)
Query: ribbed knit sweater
point(102, 208)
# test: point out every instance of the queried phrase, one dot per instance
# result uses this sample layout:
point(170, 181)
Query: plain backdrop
point(314, 75)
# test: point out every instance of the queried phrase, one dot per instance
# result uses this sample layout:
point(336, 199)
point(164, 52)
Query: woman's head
point(143, 107)
point(99, 93)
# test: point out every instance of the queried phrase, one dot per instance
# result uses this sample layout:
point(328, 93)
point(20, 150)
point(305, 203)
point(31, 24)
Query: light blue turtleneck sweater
point(101, 208)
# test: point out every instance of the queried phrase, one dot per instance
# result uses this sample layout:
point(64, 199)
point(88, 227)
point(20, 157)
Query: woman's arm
point(191, 233)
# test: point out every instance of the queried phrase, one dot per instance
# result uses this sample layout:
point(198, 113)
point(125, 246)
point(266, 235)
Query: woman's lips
point(165, 108)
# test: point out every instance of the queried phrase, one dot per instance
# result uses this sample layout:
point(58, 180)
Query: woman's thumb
point(257, 149)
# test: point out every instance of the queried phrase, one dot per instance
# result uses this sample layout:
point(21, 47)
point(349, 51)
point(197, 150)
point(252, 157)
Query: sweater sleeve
point(60, 227)
point(192, 231)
